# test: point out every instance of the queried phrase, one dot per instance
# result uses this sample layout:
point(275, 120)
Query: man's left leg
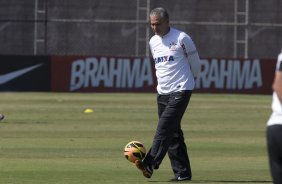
point(179, 159)
point(177, 151)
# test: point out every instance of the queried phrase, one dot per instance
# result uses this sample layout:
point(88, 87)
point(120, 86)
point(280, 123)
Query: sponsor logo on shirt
point(172, 46)
point(163, 59)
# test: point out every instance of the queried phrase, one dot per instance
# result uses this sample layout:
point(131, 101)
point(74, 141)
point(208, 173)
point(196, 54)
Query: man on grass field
point(177, 64)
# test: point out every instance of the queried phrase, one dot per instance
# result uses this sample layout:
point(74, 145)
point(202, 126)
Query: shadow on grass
point(215, 181)
point(226, 181)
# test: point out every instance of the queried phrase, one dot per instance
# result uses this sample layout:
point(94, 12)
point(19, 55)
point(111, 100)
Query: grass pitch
point(46, 138)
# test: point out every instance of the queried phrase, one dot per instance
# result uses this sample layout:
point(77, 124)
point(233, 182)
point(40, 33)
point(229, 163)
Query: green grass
point(46, 138)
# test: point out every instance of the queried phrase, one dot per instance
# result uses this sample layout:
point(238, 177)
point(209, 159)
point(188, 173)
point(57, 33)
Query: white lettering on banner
point(231, 74)
point(77, 74)
point(118, 73)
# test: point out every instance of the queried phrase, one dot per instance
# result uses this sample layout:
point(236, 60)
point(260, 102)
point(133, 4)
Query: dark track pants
point(274, 145)
point(169, 136)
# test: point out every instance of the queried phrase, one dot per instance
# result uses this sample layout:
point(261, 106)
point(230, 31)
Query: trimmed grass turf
point(47, 139)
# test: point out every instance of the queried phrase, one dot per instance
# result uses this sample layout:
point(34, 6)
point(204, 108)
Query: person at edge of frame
point(274, 126)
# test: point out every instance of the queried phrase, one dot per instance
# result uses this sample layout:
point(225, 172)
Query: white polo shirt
point(276, 116)
point(177, 61)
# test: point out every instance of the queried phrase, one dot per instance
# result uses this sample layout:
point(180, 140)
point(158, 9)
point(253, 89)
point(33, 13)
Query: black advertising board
point(24, 73)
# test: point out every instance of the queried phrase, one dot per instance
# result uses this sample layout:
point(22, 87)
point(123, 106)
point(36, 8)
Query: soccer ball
point(134, 150)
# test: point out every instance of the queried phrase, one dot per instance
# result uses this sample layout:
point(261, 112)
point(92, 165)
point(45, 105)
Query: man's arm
point(192, 55)
point(277, 84)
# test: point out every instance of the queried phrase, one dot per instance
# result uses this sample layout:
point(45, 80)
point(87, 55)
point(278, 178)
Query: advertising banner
point(115, 74)
point(128, 74)
point(102, 74)
point(252, 76)
point(24, 73)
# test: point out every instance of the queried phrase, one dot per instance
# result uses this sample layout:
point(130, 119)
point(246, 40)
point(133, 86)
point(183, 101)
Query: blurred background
point(220, 28)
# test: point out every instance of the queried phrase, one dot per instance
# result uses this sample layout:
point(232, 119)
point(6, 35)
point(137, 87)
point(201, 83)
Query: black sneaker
point(146, 170)
point(179, 178)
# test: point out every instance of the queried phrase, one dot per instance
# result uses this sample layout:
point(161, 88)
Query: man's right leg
point(149, 158)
